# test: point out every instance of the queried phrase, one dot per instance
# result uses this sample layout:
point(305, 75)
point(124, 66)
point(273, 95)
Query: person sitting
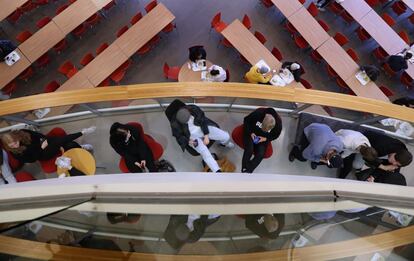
point(6, 172)
point(392, 153)
point(357, 149)
point(371, 71)
point(258, 75)
point(319, 144)
point(197, 53)
point(405, 101)
point(398, 62)
point(29, 146)
point(294, 68)
point(259, 128)
point(6, 47)
point(382, 176)
point(190, 126)
point(127, 142)
point(265, 225)
point(217, 74)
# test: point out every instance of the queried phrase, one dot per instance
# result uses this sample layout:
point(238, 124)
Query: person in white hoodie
point(6, 172)
point(357, 149)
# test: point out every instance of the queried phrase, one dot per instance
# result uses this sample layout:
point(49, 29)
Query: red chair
point(225, 43)
point(324, 25)
point(247, 22)
point(101, 48)
point(372, 3)
point(51, 87)
point(60, 46)
point(87, 58)
point(399, 8)
point(144, 49)
point(306, 84)
point(335, 8)
point(388, 19)
point(79, 31)
point(237, 136)
point(43, 61)
point(347, 17)
point(313, 10)
point(109, 5)
point(26, 74)
point(62, 8)
point(9, 88)
point(390, 72)
point(380, 53)
point(27, 7)
point(227, 76)
point(351, 52)
point(23, 36)
point(276, 53)
point(13, 162)
point(136, 18)
point(386, 91)
point(42, 22)
point(154, 40)
point(169, 28)
point(106, 82)
point(404, 36)
point(342, 84)
point(405, 79)
point(267, 3)
point(49, 166)
point(151, 5)
point(122, 31)
point(93, 20)
point(171, 72)
point(154, 146)
point(341, 39)
point(260, 37)
point(120, 72)
point(67, 69)
point(24, 176)
point(362, 34)
point(290, 28)
point(331, 72)
point(302, 1)
point(14, 17)
point(300, 42)
point(316, 57)
point(217, 24)
point(411, 18)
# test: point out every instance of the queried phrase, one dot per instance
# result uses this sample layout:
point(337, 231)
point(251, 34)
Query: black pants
point(347, 166)
point(54, 144)
point(299, 148)
point(325, 3)
point(75, 172)
point(249, 148)
point(134, 168)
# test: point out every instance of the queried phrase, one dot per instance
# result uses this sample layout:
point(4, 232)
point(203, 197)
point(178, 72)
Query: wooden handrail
point(342, 249)
point(194, 89)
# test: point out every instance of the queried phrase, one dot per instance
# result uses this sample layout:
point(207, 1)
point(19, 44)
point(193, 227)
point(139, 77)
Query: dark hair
point(368, 153)
point(214, 72)
point(404, 157)
point(408, 55)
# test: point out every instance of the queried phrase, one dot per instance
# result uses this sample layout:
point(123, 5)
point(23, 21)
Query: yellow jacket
point(253, 76)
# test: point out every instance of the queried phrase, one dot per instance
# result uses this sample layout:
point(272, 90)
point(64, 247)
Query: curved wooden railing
point(194, 89)
point(342, 249)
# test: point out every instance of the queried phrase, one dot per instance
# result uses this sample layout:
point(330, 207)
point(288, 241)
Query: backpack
point(164, 166)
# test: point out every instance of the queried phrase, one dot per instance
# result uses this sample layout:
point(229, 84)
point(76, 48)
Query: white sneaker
point(87, 147)
point(63, 175)
point(88, 130)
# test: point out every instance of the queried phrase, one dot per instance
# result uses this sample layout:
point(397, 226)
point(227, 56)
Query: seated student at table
point(191, 126)
point(127, 142)
point(405, 101)
point(6, 172)
point(29, 146)
point(258, 75)
point(197, 53)
point(294, 68)
point(399, 62)
point(357, 149)
point(217, 74)
point(259, 128)
point(265, 225)
point(6, 47)
point(393, 177)
point(372, 71)
point(319, 144)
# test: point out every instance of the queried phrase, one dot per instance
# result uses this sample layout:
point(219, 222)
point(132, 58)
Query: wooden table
point(409, 3)
point(42, 41)
point(8, 73)
point(357, 8)
point(309, 28)
point(81, 159)
point(287, 7)
point(148, 27)
point(7, 7)
point(188, 75)
point(371, 90)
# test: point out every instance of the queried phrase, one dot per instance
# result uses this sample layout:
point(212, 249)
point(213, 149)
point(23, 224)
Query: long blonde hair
point(18, 135)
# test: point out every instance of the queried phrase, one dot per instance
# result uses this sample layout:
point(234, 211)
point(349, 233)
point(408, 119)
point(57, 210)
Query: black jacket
point(181, 132)
point(255, 224)
point(296, 73)
point(33, 151)
point(397, 63)
point(6, 47)
point(406, 101)
point(135, 149)
point(382, 176)
point(255, 118)
point(195, 51)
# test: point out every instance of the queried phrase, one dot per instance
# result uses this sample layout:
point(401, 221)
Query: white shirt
point(351, 140)
point(195, 131)
point(221, 77)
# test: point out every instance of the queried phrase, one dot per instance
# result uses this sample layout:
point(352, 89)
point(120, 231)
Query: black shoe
point(291, 156)
point(218, 171)
point(314, 165)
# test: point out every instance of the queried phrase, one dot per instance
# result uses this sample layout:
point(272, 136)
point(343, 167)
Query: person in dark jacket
point(265, 225)
point(295, 68)
point(259, 128)
point(398, 62)
point(29, 146)
point(405, 101)
point(381, 176)
point(197, 53)
point(392, 153)
point(128, 142)
point(191, 127)
point(372, 71)
point(6, 47)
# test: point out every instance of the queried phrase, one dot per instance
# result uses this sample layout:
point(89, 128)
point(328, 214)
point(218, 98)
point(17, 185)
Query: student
point(29, 146)
point(382, 176)
point(6, 47)
point(259, 128)
point(405, 101)
point(127, 142)
point(319, 144)
point(190, 126)
point(398, 62)
point(258, 75)
point(217, 74)
point(6, 172)
point(372, 71)
point(266, 226)
point(357, 149)
point(294, 68)
point(197, 53)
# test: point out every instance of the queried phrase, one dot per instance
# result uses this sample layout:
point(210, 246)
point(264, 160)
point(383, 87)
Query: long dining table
point(9, 6)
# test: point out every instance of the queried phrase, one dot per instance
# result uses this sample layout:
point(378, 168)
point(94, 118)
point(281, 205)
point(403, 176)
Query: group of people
point(263, 75)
